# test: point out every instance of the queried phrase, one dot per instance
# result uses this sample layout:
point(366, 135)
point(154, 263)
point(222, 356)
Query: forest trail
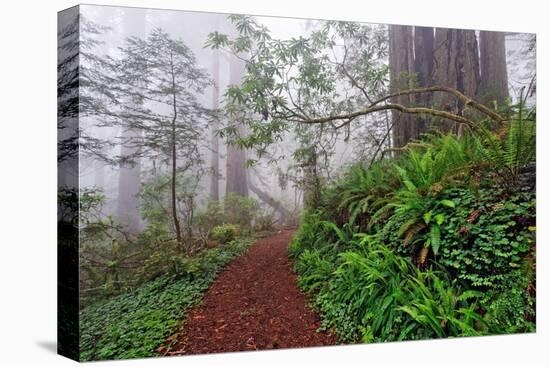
point(254, 304)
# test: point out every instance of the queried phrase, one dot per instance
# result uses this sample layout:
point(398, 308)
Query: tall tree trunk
point(312, 181)
point(99, 174)
point(401, 66)
point(423, 67)
point(214, 139)
point(174, 160)
point(456, 65)
point(173, 185)
point(494, 76)
point(236, 180)
point(129, 178)
point(128, 188)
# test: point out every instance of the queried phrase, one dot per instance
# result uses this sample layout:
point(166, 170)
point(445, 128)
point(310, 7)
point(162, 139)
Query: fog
point(347, 149)
point(272, 179)
point(193, 28)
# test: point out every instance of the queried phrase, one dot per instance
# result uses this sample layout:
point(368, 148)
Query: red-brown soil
point(254, 304)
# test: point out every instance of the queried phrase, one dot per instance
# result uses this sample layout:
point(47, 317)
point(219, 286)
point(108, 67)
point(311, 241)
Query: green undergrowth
point(134, 324)
point(436, 242)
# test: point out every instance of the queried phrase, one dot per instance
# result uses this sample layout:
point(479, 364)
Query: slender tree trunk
point(174, 160)
point(173, 185)
point(99, 175)
point(312, 182)
point(494, 76)
point(236, 181)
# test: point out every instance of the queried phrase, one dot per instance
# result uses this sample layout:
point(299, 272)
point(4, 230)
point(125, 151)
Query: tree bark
point(173, 187)
point(456, 65)
point(214, 139)
point(401, 66)
point(423, 67)
point(236, 180)
point(494, 76)
point(174, 161)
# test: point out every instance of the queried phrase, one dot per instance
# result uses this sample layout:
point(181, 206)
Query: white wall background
point(28, 183)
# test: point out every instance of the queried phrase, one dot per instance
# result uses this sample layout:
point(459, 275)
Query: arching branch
point(376, 106)
point(466, 100)
point(391, 106)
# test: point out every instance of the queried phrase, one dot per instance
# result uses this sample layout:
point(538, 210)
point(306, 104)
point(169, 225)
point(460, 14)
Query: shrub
point(134, 324)
point(368, 286)
point(225, 233)
point(264, 222)
point(309, 233)
point(207, 219)
point(239, 210)
point(420, 216)
point(514, 147)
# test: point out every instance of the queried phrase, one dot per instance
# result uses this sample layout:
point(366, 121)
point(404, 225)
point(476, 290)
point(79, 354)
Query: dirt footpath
point(254, 304)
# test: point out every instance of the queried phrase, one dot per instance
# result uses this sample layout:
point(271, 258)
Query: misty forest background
point(404, 156)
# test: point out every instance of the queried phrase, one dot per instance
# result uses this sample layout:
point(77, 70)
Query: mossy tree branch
point(376, 106)
point(468, 102)
point(390, 106)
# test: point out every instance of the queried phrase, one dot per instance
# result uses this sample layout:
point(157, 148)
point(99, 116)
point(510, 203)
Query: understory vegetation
point(437, 241)
point(114, 262)
point(136, 290)
point(134, 324)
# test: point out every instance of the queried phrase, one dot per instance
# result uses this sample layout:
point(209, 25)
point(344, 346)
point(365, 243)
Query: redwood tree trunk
point(129, 178)
point(423, 67)
point(494, 76)
point(214, 139)
point(236, 180)
point(401, 66)
point(128, 189)
point(456, 65)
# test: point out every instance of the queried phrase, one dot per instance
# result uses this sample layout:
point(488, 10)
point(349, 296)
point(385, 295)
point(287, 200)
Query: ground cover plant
point(135, 324)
